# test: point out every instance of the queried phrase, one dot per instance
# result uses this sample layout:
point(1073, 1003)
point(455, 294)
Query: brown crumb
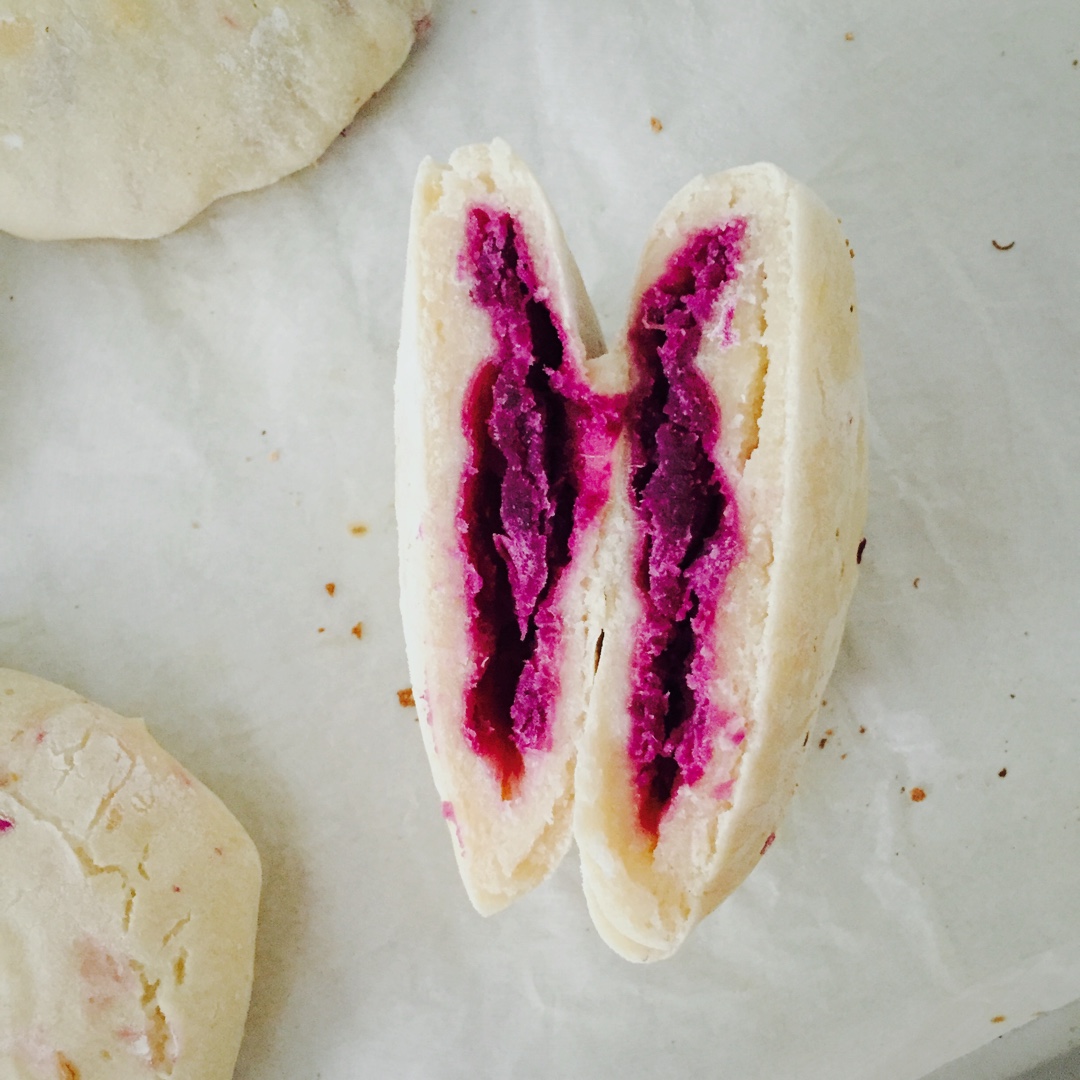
point(1012, 697)
point(218, 851)
point(66, 1067)
point(358, 630)
point(849, 36)
point(862, 542)
point(358, 529)
point(176, 888)
point(821, 744)
point(851, 252)
point(1004, 247)
point(917, 794)
point(862, 729)
point(1003, 773)
point(842, 756)
point(915, 583)
point(655, 124)
point(330, 587)
point(405, 698)
point(321, 630)
point(997, 1019)
point(274, 455)
point(806, 738)
point(828, 731)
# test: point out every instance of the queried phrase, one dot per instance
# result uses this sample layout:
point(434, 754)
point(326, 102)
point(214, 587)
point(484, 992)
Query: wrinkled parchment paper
point(195, 439)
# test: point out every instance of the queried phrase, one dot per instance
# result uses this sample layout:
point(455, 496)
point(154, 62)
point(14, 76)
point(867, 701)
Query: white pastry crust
point(503, 847)
point(793, 445)
point(128, 900)
point(125, 118)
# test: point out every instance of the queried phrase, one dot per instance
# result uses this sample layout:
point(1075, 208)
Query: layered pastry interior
point(686, 518)
point(536, 475)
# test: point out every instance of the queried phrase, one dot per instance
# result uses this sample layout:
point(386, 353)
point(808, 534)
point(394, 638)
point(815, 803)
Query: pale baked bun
point(755, 504)
point(128, 900)
point(493, 574)
point(124, 118)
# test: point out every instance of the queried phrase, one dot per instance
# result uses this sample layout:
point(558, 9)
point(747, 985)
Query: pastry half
point(729, 554)
point(504, 453)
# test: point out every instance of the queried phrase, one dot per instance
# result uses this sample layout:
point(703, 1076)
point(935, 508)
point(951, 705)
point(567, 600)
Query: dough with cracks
point(125, 118)
point(128, 900)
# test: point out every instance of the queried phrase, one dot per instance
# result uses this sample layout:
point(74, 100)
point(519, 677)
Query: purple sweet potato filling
point(536, 475)
point(687, 522)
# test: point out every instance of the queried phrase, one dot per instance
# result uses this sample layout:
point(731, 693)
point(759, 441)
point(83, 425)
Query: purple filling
point(687, 521)
point(5, 825)
point(536, 475)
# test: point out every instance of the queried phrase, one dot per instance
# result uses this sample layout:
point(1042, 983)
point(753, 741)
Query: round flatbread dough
point(128, 900)
point(125, 118)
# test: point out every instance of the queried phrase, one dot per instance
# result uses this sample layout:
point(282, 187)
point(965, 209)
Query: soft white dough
point(128, 900)
point(793, 444)
point(124, 118)
point(503, 847)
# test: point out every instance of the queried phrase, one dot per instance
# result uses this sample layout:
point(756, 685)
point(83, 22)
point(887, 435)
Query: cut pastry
point(504, 450)
point(664, 538)
point(128, 900)
point(729, 552)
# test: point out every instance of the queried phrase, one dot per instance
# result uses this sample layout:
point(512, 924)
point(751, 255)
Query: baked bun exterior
point(125, 118)
point(729, 552)
point(503, 442)
point(128, 900)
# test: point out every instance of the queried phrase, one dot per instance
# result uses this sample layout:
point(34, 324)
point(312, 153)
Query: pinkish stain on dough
point(536, 475)
point(687, 522)
point(723, 791)
point(448, 815)
point(105, 979)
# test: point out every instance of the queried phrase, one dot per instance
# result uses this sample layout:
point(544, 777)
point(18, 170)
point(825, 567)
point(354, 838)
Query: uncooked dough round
point(128, 900)
point(125, 118)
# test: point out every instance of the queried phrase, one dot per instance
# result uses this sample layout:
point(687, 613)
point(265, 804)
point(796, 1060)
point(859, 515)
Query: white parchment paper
point(192, 430)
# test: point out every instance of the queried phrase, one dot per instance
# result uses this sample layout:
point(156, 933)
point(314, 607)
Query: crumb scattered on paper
point(405, 698)
point(358, 630)
point(655, 124)
point(330, 588)
point(358, 529)
point(1004, 247)
point(849, 36)
point(917, 794)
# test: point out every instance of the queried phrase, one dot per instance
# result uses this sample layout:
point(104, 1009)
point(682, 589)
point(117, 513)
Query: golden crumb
point(330, 587)
point(405, 698)
point(274, 455)
point(849, 36)
point(655, 124)
point(358, 529)
point(997, 1019)
point(358, 630)
point(917, 794)
point(321, 630)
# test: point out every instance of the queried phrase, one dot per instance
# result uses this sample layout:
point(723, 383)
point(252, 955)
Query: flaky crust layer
point(128, 899)
point(793, 439)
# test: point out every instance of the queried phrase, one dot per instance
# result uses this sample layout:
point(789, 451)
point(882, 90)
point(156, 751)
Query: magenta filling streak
point(687, 520)
point(536, 475)
point(5, 825)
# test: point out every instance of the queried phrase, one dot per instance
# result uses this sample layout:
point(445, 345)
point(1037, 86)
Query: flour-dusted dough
point(125, 118)
point(503, 846)
point(128, 900)
point(782, 357)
